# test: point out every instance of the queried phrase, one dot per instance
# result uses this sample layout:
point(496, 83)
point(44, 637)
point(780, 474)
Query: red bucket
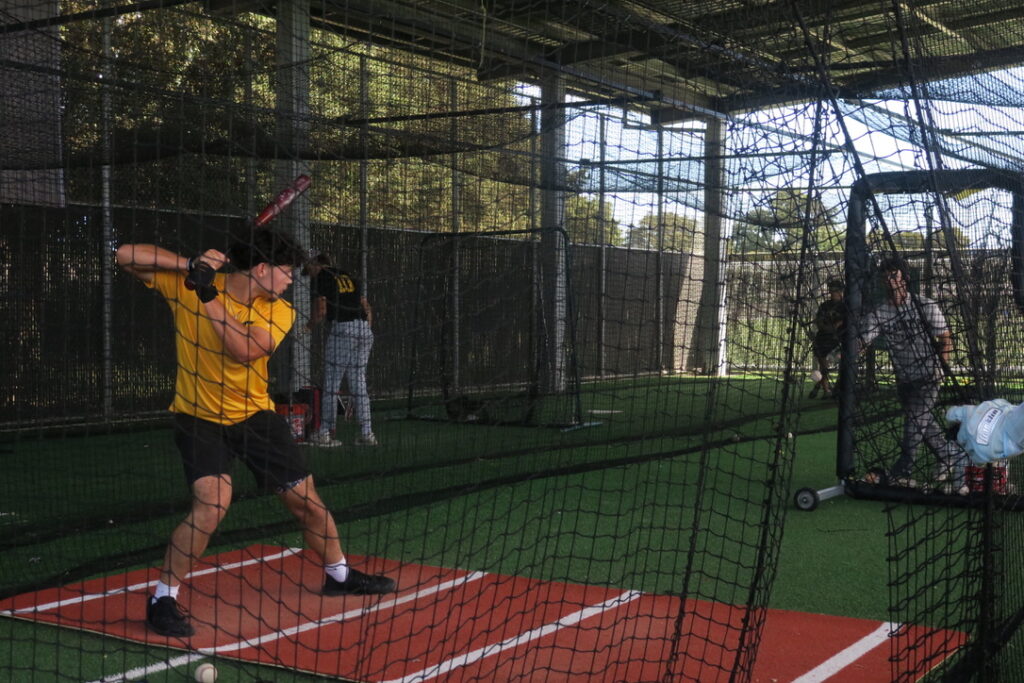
point(295, 414)
point(975, 477)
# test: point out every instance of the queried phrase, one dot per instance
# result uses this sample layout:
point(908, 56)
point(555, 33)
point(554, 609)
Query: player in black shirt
point(829, 321)
point(339, 301)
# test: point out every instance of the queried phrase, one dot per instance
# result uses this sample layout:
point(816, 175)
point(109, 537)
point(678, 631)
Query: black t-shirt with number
point(342, 292)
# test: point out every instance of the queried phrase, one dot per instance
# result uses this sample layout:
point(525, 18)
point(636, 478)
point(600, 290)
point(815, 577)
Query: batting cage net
point(507, 351)
point(946, 336)
point(496, 337)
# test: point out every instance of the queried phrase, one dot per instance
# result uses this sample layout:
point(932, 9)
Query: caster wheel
point(806, 499)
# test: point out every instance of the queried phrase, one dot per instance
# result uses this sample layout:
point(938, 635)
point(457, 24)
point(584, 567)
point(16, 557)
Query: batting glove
point(200, 278)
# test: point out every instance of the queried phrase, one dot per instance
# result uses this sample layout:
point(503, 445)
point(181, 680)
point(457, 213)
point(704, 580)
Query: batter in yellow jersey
point(226, 328)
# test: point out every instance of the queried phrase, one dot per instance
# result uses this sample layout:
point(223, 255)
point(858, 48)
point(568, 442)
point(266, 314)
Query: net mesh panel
point(699, 250)
point(953, 551)
point(485, 351)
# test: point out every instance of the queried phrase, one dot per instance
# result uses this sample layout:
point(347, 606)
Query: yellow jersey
point(211, 385)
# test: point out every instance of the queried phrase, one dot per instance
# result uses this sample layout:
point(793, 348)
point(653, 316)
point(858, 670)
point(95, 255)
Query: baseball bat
point(275, 207)
point(282, 200)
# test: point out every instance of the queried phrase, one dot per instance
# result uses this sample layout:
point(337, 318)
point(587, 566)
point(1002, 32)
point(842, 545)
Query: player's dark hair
point(322, 260)
point(265, 246)
point(836, 285)
point(891, 263)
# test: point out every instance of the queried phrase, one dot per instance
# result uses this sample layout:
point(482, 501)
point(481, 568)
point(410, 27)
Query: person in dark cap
point(340, 303)
point(828, 321)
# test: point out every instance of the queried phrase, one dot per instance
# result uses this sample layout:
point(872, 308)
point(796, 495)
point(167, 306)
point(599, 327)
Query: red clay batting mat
point(262, 604)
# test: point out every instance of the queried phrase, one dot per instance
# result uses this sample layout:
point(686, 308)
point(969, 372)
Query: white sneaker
point(951, 489)
point(324, 440)
point(367, 440)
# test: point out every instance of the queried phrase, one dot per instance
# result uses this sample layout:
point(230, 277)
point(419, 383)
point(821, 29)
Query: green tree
point(914, 240)
point(196, 127)
point(829, 238)
point(752, 233)
point(779, 224)
point(590, 221)
point(902, 240)
point(679, 233)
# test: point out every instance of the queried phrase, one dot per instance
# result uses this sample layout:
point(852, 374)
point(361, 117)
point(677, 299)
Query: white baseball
point(815, 375)
point(206, 673)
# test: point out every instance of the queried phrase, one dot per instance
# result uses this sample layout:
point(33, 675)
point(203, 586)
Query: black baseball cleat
point(359, 583)
point(164, 617)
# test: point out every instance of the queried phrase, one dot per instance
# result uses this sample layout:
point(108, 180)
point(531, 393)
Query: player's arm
point(869, 331)
point(944, 346)
point(319, 312)
point(243, 342)
point(365, 303)
point(143, 260)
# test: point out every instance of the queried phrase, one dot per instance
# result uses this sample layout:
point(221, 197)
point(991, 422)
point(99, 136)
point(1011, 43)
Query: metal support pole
point(659, 259)
point(108, 229)
point(602, 274)
point(456, 227)
point(553, 242)
point(293, 33)
point(709, 345)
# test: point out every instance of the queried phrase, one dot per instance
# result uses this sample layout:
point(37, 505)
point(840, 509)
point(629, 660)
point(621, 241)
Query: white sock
point(162, 590)
point(338, 571)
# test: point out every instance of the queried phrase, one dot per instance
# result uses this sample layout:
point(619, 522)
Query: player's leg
point(321, 536)
point(206, 458)
point(951, 459)
point(333, 373)
point(211, 497)
point(824, 345)
point(362, 345)
point(916, 403)
point(825, 367)
point(318, 528)
point(820, 347)
point(279, 465)
point(819, 365)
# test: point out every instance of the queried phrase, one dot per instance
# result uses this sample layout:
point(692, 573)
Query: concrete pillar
point(708, 356)
point(553, 244)
point(292, 92)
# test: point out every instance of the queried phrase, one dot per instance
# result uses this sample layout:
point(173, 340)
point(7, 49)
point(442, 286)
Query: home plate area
point(262, 604)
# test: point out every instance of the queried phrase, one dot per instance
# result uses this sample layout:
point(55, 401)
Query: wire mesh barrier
point(559, 293)
point(892, 445)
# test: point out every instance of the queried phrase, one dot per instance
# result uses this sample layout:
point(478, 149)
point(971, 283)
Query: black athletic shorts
point(824, 344)
point(263, 442)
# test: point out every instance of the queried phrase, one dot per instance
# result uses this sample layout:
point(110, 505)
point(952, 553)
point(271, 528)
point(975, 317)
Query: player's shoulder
point(279, 312)
point(167, 282)
point(277, 305)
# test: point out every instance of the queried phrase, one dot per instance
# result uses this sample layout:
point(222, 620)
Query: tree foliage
point(778, 225)
point(189, 103)
point(588, 220)
point(679, 233)
point(880, 240)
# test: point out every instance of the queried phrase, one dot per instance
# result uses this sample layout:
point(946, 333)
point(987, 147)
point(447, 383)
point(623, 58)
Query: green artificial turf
point(666, 464)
